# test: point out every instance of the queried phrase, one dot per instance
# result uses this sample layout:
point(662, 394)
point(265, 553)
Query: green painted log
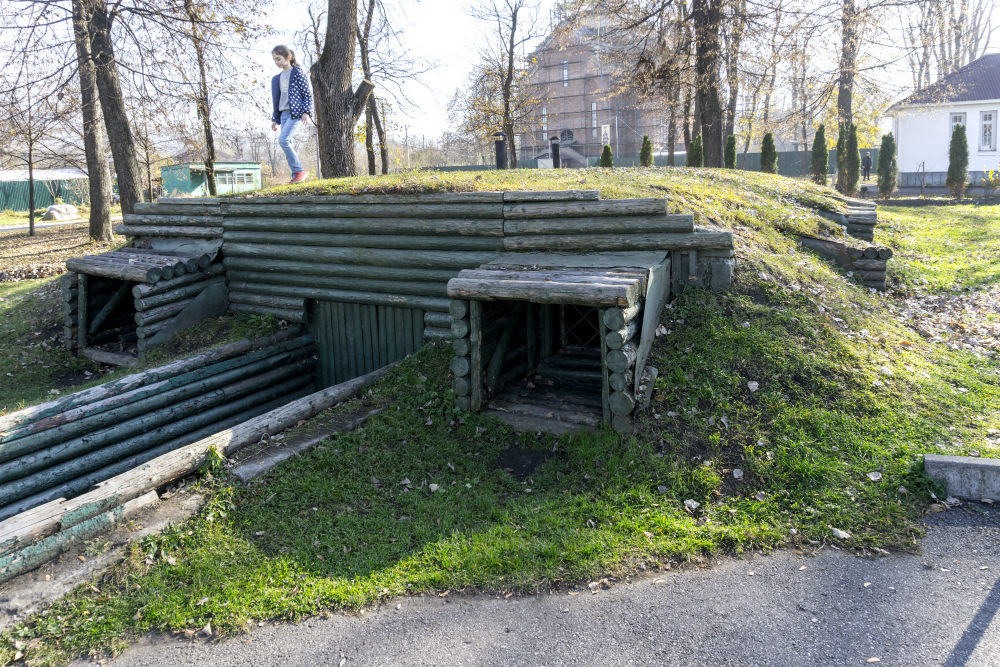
point(427, 259)
point(438, 320)
point(622, 403)
point(621, 360)
point(182, 292)
point(160, 313)
point(177, 265)
point(460, 328)
point(500, 353)
point(167, 220)
point(284, 267)
point(192, 262)
point(664, 224)
point(476, 355)
point(870, 275)
point(460, 366)
point(437, 333)
point(368, 241)
point(460, 346)
point(164, 286)
point(296, 316)
point(69, 338)
point(550, 195)
point(102, 314)
point(87, 266)
point(166, 270)
point(393, 227)
point(170, 232)
point(82, 313)
point(271, 301)
point(616, 339)
point(458, 308)
point(621, 381)
point(199, 208)
point(869, 264)
point(91, 479)
point(455, 210)
point(583, 294)
point(18, 445)
point(611, 242)
point(617, 318)
point(577, 209)
point(129, 383)
point(463, 403)
point(401, 300)
point(622, 424)
point(603, 331)
point(187, 416)
point(438, 289)
point(378, 199)
point(884, 253)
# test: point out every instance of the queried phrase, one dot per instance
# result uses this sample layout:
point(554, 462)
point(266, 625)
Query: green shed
point(189, 178)
point(68, 185)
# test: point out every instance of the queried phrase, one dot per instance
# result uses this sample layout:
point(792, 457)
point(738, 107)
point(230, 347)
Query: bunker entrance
point(545, 374)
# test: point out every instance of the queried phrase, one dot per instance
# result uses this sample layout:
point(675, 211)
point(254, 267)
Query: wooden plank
point(583, 294)
point(403, 300)
point(615, 339)
point(632, 224)
point(393, 227)
point(602, 242)
point(476, 355)
point(438, 289)
point(109, 358)
point(622, 260)
point(460, 210)
point(510, 404)
point(579, 209)
point(593, 276)
point(439, 320)
point(119, 271)
point(426, 259)
point(351, 312)
point(472, 243)
point(657, 295)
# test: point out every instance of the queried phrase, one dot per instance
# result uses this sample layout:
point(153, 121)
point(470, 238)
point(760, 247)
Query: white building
point(923, 123)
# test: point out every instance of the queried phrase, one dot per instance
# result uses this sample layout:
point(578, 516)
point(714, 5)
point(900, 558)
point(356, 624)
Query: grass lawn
point(17, 218)
point(796, 404)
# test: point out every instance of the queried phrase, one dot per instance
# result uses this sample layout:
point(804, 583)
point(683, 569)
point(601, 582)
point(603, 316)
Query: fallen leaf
point(873, 660)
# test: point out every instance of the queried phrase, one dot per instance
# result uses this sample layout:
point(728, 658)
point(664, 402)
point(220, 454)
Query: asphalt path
point(937, 607)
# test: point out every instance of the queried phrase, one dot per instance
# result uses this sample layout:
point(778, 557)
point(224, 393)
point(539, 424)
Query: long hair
point(286, 52)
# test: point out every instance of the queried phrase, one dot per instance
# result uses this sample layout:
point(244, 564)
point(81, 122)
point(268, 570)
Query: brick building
point(582, 101)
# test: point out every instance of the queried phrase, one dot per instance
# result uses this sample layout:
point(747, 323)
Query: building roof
point(979, 80)
point(8, 175)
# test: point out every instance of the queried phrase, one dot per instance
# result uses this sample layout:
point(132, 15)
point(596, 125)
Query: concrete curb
point(967, 477)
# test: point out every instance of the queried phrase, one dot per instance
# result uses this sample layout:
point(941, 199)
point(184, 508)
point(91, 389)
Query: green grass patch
point(799, 378)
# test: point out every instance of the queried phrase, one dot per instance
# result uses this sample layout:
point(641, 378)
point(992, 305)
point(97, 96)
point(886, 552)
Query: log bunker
point(550, 301)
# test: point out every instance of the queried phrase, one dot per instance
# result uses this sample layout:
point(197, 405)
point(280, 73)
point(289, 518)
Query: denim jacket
point(299, 97)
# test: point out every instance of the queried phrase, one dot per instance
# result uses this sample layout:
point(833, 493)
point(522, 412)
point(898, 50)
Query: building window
point(565, 65)
point(243, 178)
point(593, 120)
point(545, 121)
point(956, 120)
point(224, 179)
point(988, 135)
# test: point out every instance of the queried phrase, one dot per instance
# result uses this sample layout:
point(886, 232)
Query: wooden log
point(463, 403)
point(603, 331)
point(269, 300)
point(885, 253)
point(428, 259)
point(69, 338)
point(458, 308)
point(462, 386)
point(875, 284)
point(455, 210)
point(870, 253)
point(584, 376)
point(109, 358)
point(177, 265)
point(580, 209)
point(471, 243)
point(163, 231)
point(583, 276)
point(621, 381)
point(437, 320)
point(102, 314)
point(376, 198)
point(200, 208)
point(621, 360)
point(661, 224)
point(644, 393)
point(622, 402)
point(460, 346)
point(296, 316)
point(500, 353)
point(160, 313)
point(169, 220)
point(437, 333)
point(609, 242)
point(164, 286)
point(657, 294)
point(583, 294)
point(183, 292)
point(437, 290)
point(460, 366)
point(192, 262)
point(87, 266)
point(550, 195)
point(475, 355)
point(282, 267)
point(212, 301)
point(145, 401)
point(870, 275)
point(869, 264)
point(166, 271)
point(616, 339)
point(393, 227)
point(622, 424)
point(205, 410)
point(402, 300)
point(82, 310)
point(460, 328)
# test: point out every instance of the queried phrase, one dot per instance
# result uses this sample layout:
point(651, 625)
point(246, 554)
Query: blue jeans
point(288, 127)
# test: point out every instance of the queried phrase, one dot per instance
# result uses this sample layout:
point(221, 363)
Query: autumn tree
point(887, 168)
point(768, 155)
point(819, 159)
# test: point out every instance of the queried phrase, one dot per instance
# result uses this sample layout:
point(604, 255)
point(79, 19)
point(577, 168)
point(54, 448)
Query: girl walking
point(292, 102)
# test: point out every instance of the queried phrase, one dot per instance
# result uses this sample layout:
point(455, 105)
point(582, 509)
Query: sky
point(440, 32)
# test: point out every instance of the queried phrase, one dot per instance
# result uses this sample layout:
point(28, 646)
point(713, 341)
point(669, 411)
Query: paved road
point(41, 225)
point(935, 608)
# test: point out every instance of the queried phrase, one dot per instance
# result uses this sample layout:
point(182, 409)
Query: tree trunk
point(508, 86)
point(848, 61)
point(369, 147)
point(707, 17)
point(98, 174)
point(672, 128)
point(687, 118)
point(383, 147)
point(338, 107)
point(204, 108)
point(732, 69)
point(112, 104)
point(31, 180)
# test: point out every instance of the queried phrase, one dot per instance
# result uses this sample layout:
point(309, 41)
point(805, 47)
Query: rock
point(61, 212)
point(841, 534)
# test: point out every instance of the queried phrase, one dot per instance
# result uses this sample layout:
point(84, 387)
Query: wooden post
point(102, 314)
point(500, 354)
point(82, 289)
point(605, 387)
point(476, 354)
